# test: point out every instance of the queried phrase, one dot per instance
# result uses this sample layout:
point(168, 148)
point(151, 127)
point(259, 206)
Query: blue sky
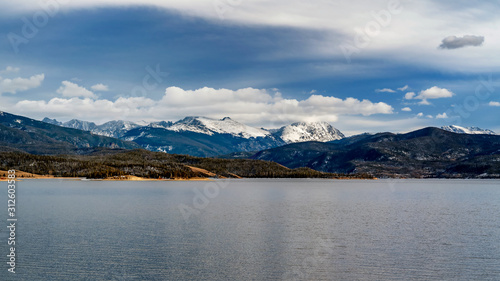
point(362, 66)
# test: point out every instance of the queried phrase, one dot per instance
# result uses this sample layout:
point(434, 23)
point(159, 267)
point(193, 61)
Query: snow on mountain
point(79, 124)
point(297, 132)
point(468, 130)
point(308, 131)
point(211, 126)
point(114, 129)
point(161, 124)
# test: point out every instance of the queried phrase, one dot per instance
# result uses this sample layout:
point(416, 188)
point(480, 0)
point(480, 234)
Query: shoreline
point(20, 175)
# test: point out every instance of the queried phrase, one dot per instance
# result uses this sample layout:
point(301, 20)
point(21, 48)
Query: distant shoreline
point(20, 175)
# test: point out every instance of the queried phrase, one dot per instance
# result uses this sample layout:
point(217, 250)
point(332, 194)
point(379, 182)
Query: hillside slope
point(36, 137)
point(429, 152)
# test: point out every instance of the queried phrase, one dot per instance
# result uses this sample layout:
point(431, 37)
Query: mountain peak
point(51, 121)
point(309, 131)
point(467, 130)
point(212, 126)
point(80, 125)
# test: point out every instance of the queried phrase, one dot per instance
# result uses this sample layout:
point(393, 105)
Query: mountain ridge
point(37, 137)
point(206, 137)
point(428, 152)
point(468, 130)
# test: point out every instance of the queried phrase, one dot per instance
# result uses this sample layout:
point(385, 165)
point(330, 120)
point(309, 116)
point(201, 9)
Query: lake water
point(255, 230)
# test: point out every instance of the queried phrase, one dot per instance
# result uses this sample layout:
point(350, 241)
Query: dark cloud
point(454, 42)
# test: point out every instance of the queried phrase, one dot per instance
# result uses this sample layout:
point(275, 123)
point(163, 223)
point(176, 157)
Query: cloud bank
point(252, 106)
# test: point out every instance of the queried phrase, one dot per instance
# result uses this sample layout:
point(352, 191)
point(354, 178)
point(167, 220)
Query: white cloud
point(442, 116)
point(424, 102)
point(431, 93)
point(385, 90)
point(20, 84)
point(10, 69)
point(252, 106)
point(435, 93)
point(429, 116)
point(404, 88)
point(410, 95)
point(420, 114)
point(407, 109)
point(494, 103)
point(70, 89)
point(100, 87)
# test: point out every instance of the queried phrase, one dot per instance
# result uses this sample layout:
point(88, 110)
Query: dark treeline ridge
point(106, 163)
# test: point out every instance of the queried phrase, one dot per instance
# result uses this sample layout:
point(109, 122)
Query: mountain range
point(468, 130)
point(429, 152)
point(451, 151)
point(202, 136)
point(36, 137)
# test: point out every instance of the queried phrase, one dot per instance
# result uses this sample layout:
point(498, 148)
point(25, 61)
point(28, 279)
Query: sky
point(363, 66)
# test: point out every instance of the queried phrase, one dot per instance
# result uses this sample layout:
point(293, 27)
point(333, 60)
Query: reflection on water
point(258, 230)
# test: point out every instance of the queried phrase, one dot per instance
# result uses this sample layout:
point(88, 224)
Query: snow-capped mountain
point(80, 125)
point(161, 124)
point(115, 129)
point(202, 136)
point(211, 126)
point(308, 131)
point(468, 130)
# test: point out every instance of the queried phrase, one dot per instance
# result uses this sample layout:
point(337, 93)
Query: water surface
point(256, 230)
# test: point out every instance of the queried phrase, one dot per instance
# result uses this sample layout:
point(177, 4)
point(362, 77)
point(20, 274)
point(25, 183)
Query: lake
point(255, 229)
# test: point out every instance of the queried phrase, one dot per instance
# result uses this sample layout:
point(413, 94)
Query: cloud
point(100, 87)
point(454, 42)
point(431, 93)
point(435, 93)
point(429, 116)
point(407, 109)
point(10, 69)
point(494, 103)
point(20, 84)
point(385, 90)
point(410, 95)
point(70, 89)
point(338, 19)
point(442, 116)
point(248, 105)
point(424, 102)
point(420, 114)
point(404, 88)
